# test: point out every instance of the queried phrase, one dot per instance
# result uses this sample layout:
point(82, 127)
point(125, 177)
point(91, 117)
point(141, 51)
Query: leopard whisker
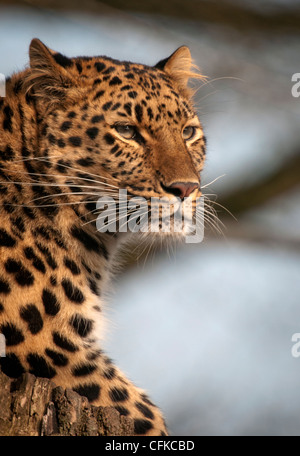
point(224, 208)
point(214, 180)
point(112, 221)
point(209, 210)
point(213, 222)
point(107, 211)
point(221, 78)
point(48, 160)
point(69, 177)
point(65, 194)
point(50, 184)
point(149, 250)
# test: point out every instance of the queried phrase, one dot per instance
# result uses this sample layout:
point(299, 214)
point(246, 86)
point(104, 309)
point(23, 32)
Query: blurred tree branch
point(275, 184)
point(228, 13)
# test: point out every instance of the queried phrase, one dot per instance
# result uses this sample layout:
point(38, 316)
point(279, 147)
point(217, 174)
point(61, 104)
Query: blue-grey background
point(206, 328)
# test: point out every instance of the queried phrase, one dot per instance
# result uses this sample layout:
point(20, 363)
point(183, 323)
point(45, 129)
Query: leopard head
point(106, 125)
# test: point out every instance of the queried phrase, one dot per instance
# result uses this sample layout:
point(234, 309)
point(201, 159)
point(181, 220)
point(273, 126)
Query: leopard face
point(118, 125)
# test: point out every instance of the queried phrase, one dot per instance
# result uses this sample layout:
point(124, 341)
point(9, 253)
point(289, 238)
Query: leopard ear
point(47, 76)
point(178, 66)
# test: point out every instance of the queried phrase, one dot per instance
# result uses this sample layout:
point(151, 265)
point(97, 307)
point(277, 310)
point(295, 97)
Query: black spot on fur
point(109, 139)
point(127, 107)
point(52, 139)
point(36, 261)
point(7, 154)
point(96, 119)
point(6, 240)
point(58, 358)
point(58, 239)
point(100, 66)
point(11, 366)
point(64, 343)
point(126, 87)
point(95, 354)
point(122, 410)
point(81, 325)
point(88, 241)
point(132, 94)
point(66, 125)
point(51, 304)
point(32, 316)
point(115, 106)
point(49, 208)
point(142, 426)
point(106, 106)
point(13, 335)
point(39, 366)
point(72, 292)
point(28, 212)
point(93, 287)
point(150, 113)
point(18, 222)
point(109, 70)
point(115, 81)
point(86, 267)
point(92, 132)
point(22, 275)
point(53, 280)
point(91, 206)
point(138, 112)
point(99, 94)
point(75, 141)
point(42, 231)
point(3, 189)
point(4, 287)
point(146, 399)
point(62, 165)
point(89, 390)
point(63, 60)
point(7, 121)
point(70, 264)
point(48, 256)
point(144, 410)
point(110, 373)
point(129, 76)
point(83, 369)
point(79, 67)
point(8, 207)
point(118, 394)
point(97, 81)
point(85, 162)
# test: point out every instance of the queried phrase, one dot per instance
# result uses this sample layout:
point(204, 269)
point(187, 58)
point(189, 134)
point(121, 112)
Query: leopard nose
point(181, 189)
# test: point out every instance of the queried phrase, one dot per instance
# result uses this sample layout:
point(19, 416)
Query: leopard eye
point(126, 131)
point(188, 133)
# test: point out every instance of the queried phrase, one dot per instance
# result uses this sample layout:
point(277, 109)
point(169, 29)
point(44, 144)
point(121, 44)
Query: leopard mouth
point(159, 215)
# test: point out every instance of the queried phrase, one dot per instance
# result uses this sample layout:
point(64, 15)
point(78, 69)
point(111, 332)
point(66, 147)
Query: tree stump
point(31, 406)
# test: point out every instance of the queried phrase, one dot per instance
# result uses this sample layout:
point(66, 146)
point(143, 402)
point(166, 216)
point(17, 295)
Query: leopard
point(73, 130)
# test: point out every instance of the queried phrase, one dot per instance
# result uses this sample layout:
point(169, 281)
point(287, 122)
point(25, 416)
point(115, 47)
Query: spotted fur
point(60, 149)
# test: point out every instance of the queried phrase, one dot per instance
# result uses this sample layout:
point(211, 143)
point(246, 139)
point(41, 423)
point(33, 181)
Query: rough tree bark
point(34, 406)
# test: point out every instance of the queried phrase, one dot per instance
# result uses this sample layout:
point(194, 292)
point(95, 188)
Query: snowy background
point(206, 328)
